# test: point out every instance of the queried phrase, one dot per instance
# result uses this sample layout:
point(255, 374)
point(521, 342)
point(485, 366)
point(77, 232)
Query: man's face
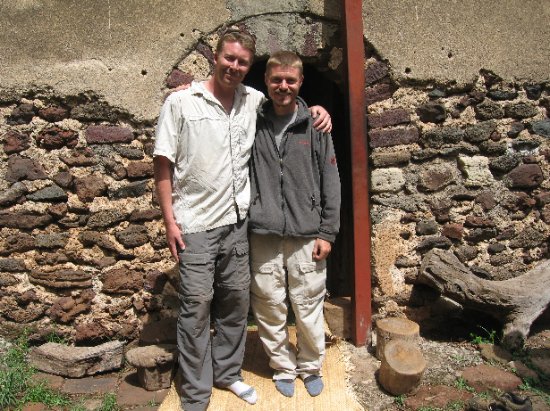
point(283, 84)
point(232, 64)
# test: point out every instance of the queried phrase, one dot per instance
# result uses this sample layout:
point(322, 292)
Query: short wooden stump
point(394, 328)
point(402, 367)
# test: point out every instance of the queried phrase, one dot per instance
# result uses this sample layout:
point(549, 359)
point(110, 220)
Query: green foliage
point(531, 386)
point(489, 337)
point(400, 400)
point(109, 403)
point(55, 338)
point(16, 385)
point(461, 384)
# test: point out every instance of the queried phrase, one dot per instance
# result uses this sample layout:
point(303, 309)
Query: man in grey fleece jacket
point(294, 218)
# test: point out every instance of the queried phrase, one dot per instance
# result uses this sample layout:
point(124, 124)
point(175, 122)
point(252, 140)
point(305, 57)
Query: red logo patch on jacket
point(304, 142)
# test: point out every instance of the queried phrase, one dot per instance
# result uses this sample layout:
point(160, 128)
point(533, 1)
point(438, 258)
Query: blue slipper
point(314, 385)
point(285, 387)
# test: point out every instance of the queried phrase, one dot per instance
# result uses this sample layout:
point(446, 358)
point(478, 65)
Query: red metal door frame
point(355, 59)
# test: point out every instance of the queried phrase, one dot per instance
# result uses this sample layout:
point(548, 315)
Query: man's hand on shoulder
point(323, 121)
point(178, 88)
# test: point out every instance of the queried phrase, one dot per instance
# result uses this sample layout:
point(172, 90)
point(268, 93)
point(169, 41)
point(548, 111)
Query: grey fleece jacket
point(295, 187)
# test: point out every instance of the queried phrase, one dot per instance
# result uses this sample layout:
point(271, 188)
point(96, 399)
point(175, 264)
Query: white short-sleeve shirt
point(210, 151)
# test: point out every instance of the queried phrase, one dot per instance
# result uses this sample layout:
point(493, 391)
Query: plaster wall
point(123, 50)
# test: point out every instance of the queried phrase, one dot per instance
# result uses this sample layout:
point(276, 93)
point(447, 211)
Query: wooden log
point(402, 367)
point(391, 328)
point(516, 303)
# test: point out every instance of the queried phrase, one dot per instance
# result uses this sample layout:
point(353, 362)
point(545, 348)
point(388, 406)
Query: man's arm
point(321, 249)
point(163, 184)
point(322, 118)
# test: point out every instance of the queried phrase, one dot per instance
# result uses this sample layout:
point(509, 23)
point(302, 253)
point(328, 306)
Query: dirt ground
point(448, 350)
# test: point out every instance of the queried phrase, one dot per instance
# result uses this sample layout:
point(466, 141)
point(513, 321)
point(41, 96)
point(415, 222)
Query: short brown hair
point(237, 35)
point(285, 58)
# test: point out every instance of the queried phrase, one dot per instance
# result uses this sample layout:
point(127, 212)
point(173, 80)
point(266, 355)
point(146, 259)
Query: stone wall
point(454, 163)
point(459, 168)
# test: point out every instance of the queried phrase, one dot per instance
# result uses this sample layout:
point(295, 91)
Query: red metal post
point(355, 58)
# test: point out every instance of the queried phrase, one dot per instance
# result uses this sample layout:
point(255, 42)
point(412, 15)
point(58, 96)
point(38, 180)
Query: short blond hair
point(237, 36)
point(285, 58)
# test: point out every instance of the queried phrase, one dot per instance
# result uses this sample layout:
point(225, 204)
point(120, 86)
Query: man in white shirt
point(203, 143)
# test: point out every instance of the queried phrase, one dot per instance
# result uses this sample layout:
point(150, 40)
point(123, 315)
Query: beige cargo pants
point(283, 270)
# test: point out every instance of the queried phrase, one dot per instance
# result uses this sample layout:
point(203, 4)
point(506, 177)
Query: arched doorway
point(319, 89)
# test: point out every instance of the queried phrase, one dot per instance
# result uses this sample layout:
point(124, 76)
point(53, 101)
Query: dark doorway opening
point(319, 89)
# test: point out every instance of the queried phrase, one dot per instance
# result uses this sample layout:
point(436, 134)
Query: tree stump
point(402, 367)
point(516, 302)
point(391, 328)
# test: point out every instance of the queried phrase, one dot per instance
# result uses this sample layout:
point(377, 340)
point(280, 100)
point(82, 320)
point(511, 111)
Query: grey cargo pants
point(214, 287)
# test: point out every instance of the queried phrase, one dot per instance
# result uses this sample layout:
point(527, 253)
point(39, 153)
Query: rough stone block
point(155, 365)
point(77, 362)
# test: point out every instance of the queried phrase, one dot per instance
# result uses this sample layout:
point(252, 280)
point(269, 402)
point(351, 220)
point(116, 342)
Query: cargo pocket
point(196, 275)
point(268, 283)
point(241, 279)
point(311, 282)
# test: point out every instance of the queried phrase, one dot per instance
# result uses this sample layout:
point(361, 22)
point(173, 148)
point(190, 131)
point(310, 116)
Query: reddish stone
point(62, 278)
point(133, 236)
point(375, 71)
point(145, 215)
point(177, 78)
point(58, 210)
point(24, 220)
point(66, 309)
point(378, 92)
point(53, 114)
point(89, 187)
point(206, 52)
point(388, 118)
point(487, 200)
point(526, 176)
point(80, 158)
point(434, 179)
point(21, 168)
point(140, 169)
point(90, 385)
point(15, 142)
point(486, 377)
point(22, 114)
point(63, 179)
point(437, 396)
point(131, 394)
point(393, 137)
point(108, 135)
point(88, 331)
point(478, 222)
point(453, 231)
point(54, 138)
point(122, 281)
point(18, 243)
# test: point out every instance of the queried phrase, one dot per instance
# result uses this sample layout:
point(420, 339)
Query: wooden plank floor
point(256, 372)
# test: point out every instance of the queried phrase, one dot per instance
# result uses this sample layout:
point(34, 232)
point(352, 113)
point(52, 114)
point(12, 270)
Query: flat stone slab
point(77, 362)
point(90, 385)
point(437, 396)
point(485, 377)
point(131, 394)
